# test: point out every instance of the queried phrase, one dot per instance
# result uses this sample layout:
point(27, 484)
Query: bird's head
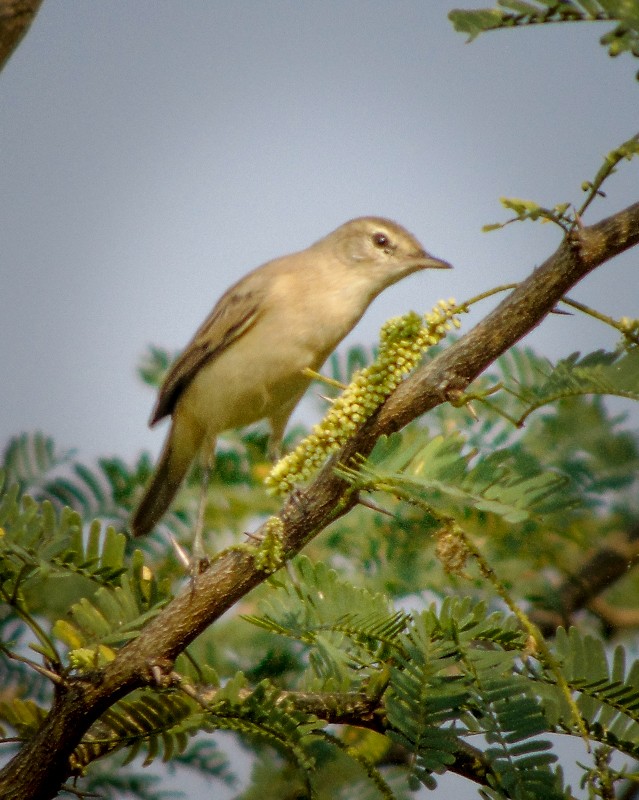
point(385, 251)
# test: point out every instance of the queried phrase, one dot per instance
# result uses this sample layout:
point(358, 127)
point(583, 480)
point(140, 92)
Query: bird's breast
point(261, 372)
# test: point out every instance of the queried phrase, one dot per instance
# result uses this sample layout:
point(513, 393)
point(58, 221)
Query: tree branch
point(333, 708)
point(605, 566)
point(15, 18)
point(43, 764)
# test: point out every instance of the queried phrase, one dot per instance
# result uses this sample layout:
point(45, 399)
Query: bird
point(247, 360)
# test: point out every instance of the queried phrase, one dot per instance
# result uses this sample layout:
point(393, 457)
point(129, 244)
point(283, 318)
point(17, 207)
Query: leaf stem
point(531, 629)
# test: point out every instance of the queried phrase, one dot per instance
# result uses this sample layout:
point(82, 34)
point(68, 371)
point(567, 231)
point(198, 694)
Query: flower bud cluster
point(402, 343)
point(629, 328)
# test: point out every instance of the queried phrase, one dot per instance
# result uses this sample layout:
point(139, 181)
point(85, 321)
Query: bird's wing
point(235, 313)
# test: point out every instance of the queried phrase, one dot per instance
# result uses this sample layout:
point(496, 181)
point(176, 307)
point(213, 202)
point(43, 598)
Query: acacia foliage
point(386, 624)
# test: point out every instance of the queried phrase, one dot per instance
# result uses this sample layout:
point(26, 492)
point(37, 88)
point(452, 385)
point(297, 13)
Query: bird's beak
point(430, 262)
point(423, 260)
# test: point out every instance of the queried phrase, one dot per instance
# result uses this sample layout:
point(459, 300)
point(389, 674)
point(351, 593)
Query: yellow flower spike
point(402, 343)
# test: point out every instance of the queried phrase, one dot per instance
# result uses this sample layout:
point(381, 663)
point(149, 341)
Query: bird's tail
point(180, 448)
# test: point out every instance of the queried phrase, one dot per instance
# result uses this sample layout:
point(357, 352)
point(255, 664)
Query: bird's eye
point(380, 239)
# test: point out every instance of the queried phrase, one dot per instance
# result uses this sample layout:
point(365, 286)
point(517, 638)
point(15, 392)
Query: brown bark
point(15, 18)
point(609, 563)
point(43, 763)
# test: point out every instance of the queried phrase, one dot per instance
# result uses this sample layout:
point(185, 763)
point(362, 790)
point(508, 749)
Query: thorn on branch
point(374, 507)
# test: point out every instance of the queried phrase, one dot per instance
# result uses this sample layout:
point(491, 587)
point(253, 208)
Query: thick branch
point(608, 564)
point(15, 18)
point(513, 318)
point(333, 708)
point(42, 765)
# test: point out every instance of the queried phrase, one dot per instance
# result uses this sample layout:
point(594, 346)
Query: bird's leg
point(274, 448)
point(277, 423)
point(199, 555)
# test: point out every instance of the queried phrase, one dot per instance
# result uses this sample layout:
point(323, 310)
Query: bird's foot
point(297, 497)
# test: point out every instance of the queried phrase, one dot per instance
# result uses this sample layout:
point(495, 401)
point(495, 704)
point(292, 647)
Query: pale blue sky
point(153, 152)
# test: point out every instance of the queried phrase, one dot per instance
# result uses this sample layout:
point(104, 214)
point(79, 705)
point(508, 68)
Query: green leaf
point(516, 13)
point(450, 481)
